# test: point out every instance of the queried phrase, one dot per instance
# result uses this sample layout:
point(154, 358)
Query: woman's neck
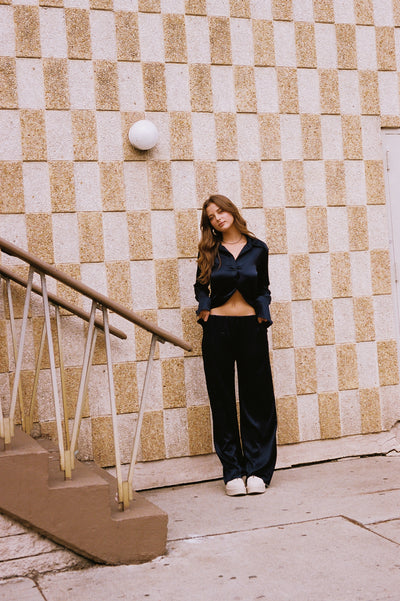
point(232, 236)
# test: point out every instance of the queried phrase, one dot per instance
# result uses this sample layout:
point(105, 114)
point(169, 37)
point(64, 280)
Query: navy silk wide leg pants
point(248, 449)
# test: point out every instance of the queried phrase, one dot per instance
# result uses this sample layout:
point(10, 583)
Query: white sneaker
point(255, 485)
point(235, 487)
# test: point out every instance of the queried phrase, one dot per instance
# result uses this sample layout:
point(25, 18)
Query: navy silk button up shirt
point(248, 274)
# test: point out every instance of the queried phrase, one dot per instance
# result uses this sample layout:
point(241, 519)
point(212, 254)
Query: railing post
point(14, 342)
point(142, 406)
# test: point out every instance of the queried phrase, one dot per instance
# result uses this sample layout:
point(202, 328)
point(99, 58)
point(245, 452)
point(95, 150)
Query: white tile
point(183, 184)
point(20, 588)
point(397, 43)
point(198, 40)
point(126, 5)
point(383, 12)
point(83, 4)
point(366, 48)
point(154, 400)
point(291, 137)
point(331, 132)
point(7, 31)
point(349, 93)
point(308, 412)
point(241, 42)
point(285, 45)
point(371, 138)
point(176, 433)
point(151, 37)
point(81, 85)
point(255, 219)
point(36, 187)
point(338, 233)
point(223, 89)
point(389, 92)
point(367, 358)
point(178, 89)
point(87, 187)
point(204, 138)
point(378, 226)
point(116, 239)
point(136, 186)
point(13, 229)
point(384, 316)
point(94, 276)
point(248, 137)
point(361, 273)
point(303, 324)
point(325, 41)
point(66, 238)
point(314, 183)
point(53, 35)
point(59, 136)
point(228, 180)
point(161, 150)
point(131, 96)
point(279, 275)
point(296, 230)
point(103, 36)
point(327, 379)
point(344, 11)
point(163, 228)
point(187, 274)
point(343, 313)
point(350, 414)
point(273, 183)
point(389, 397)
point(109, 136)
point(173, 6)
point(143, 285)
point(356, 193)
point(320, 275)
point(218, 8)
point(303, 10)
point(30, 83)
point(284, 372)
point(98, 392)
point(196, 390)
point(171, 321)
point(266, 90)
point(308, 90)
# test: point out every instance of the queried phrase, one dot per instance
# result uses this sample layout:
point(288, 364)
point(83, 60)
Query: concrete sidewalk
point(325, 532)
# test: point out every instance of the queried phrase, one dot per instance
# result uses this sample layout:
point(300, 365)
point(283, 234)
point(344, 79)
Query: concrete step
point(80, 514)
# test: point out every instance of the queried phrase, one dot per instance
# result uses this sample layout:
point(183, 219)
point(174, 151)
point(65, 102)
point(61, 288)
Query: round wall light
point(143, 135)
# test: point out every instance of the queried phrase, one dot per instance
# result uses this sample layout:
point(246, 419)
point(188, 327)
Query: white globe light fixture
point(143, 135)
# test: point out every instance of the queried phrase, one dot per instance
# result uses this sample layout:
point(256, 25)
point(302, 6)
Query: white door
point(391, 145)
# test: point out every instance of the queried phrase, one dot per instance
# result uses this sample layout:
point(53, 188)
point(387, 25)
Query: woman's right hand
point(204, 315)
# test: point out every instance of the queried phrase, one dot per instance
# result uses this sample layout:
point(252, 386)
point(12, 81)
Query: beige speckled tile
point(174, 38)
point(251, 185)
point(155, 91)
point(8, 83)
point(78, 33)
point(369, 92)
point(300, 278)
point(33, 135)
point(226, 132)
point(245, 89)
point(364, 318)
point(385, 48)
point(91, 237)
point(263, 39)
point(149, 6)
point(41, 246)
point(282, 332)
point(358, 228)
point(370, 411)
point(84, 133)
point(387, 362)
point(11, 189)
point(288, 420)
point(200, 88)
point(346, 355)
point(293, 172)
point(62, 186)
point(220, 41)
point(288, 90)
point(196, 7)
point(119, 286)
point(206, 180)
point(167, 283)
point(140, 238)
point(329, 414)
point(275, 219)
point(317, 228)
point(324, 11)
point(187, 233)
point(55, 72)
point(364, 12)
point(305, 45)
point(341, 274)
point(352, 137)
point(160, 184)
point(282, 10)
point(270, 136)
point(127, 32)
point(329, 91)
point(346, 46)
point(306, 370)
point(199, 426)
point(27, 31)
point(335, 183)
point(324, 321)
point(375, 182)
point(106, 85)
point(380, 271)
point(181, 136)
point(173, 382)
point(312, 140)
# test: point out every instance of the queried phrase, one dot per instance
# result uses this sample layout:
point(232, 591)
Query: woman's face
point(219, 219)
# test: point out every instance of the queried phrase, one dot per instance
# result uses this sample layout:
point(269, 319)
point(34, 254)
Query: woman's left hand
point(261, 319)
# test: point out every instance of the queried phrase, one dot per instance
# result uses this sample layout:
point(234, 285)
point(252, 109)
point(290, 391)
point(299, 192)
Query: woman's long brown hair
point(211, 239)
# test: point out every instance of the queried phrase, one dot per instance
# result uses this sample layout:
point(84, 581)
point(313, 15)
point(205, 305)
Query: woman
point(232, 289)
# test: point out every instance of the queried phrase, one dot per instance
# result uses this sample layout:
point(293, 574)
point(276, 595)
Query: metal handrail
point(56, 300)
point(104, 301)
point(99, 301)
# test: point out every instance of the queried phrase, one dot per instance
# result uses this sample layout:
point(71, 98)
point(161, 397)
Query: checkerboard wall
point(279, 105)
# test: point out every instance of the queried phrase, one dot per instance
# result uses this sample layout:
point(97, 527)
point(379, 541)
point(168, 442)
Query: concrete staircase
point(80, 514)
